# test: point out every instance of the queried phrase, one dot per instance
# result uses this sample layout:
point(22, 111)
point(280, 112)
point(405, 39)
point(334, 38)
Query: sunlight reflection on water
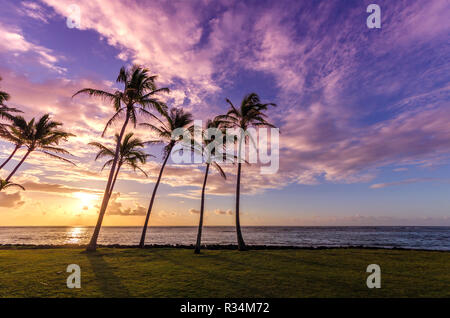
point(75, 235)
point(405, 237)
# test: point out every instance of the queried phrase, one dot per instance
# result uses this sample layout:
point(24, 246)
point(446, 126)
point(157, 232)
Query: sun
point(85, 198)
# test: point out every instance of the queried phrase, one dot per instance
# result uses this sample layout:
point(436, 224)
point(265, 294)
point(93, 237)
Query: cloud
point(223, 212)
point(408, 181)
point(194, 211)
point(349, 103)
point(13, 41)
point(339, 153)
point(35, 11)
point(174, 47)
point(116, 208)
point(54, 188)
point(13, 200)
point(364, 220)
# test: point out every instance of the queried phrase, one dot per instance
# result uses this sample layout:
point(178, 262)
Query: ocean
point(411, 237)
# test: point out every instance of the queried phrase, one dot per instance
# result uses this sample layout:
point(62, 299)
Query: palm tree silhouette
point(5, 110)
point(4, 96)
point(174, 119)
point(17, 133)
point(136, 98)
point(250, 113)
point(209, 150)
point(8, 184)
point(44, 136)
point(129, 155)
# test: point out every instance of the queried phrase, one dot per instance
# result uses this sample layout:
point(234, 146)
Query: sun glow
point(85, 198)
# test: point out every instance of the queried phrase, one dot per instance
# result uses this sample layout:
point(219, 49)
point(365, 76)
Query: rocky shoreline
point(212, 247)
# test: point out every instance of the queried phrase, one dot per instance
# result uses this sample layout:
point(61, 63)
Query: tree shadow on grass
point(110, 284)
point(211, 276)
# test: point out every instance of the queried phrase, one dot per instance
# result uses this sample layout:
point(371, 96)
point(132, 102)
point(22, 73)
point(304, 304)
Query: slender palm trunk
point(144, 230)
point(93, 243)
point(115, 178)
point(202, 209)
point(240, 239)
point(18, 165)
point(10, 156)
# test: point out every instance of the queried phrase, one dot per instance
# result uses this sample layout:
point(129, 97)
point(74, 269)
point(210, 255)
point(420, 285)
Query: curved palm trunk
point(93, 242)
point(144, 230)
point(115, 178)
point(10, 157)
point(240, 239)
point(202, 209)
point(18, 165)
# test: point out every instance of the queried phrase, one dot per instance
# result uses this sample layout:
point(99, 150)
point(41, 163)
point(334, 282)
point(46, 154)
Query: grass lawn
point(171, 272)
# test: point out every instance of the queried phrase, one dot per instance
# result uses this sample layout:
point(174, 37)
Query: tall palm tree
point(8, 184)
point(210, 153)
point(137, 97)
point(250, 113)
point(5, 110)
point(129, 155)
point(44, 136)
point(174, 119)
point(17, 133)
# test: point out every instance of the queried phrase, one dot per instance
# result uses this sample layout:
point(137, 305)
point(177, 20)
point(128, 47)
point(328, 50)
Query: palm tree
point(129, 155)
point(174, 119)
point(44, 136)
point(5, 110)
point(137, 97)
point(8, 184)
point(17, 133)
point(4, 96)
point(210, 145)
point(250, 113)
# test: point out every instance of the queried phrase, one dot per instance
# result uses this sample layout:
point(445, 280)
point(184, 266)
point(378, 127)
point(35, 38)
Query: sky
point(363, 113)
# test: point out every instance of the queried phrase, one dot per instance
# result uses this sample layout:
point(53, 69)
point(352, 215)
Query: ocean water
point(432, 238)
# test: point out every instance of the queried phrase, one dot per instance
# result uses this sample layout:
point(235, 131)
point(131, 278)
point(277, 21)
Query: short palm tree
point(209, 150)
point(8, 184)
point(44, 136)
point(250, 113)
point(4, 96)
point(174, 119)
point(137, 97)
point(16, 133)
point(130, 155)
point(5, 110)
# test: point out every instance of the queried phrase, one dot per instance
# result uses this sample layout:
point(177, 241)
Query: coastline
point(213, 247)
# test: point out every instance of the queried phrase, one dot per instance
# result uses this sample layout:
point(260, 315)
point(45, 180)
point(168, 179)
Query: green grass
point(170, 272)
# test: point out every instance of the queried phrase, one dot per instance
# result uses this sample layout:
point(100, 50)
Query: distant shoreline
point(214, 247)
point(215, 226)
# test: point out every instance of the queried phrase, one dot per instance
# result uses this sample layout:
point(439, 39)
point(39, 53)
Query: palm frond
point(112, 120)
point(96, 93)
point(219, 169)
point(57, 157)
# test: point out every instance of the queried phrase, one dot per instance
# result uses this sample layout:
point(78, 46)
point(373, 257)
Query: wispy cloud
point(12, 41)
point(408, 181)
